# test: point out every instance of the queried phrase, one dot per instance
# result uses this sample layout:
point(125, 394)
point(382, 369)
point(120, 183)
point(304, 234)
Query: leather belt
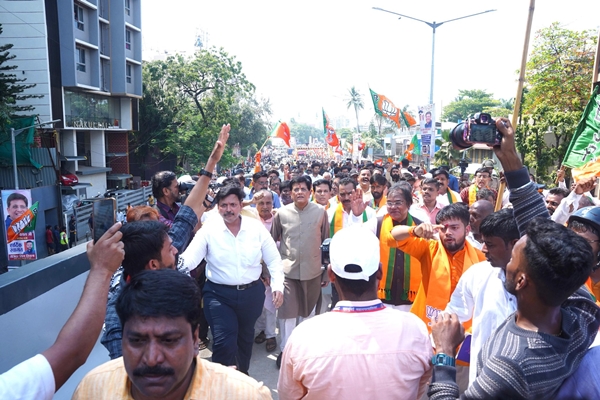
point(238, 287)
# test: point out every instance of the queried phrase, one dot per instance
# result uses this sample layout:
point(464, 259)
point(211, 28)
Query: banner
point(20, 224)
point(583, 153)
point(427, 128)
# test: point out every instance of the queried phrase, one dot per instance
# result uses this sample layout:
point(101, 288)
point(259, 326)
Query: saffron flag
point(413, 148)
point(330, 136)
point(583, 154)
point(385, 108)
point(338, 150)
point(25, 223)
point(282, 131)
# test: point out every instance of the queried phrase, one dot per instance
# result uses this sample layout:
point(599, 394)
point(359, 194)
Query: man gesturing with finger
point(443, 260)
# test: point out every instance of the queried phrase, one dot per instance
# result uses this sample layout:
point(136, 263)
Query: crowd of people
point(384, 281)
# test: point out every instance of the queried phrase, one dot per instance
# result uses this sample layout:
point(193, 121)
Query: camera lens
point(457, 137)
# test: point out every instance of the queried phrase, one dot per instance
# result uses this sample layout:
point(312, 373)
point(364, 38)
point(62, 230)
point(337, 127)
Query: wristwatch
point(205, 173)
point(443, 359)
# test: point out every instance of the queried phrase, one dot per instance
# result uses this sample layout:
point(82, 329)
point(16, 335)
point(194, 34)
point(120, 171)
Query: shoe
point(271, 344)
point(204, 343)
point(278, 362)
point(260, 338)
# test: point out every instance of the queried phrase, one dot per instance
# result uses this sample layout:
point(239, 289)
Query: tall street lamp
point(433, 25)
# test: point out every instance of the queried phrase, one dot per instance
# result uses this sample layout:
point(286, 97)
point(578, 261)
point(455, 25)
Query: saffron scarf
point(387, 255)
point(382, 203)
point(435, 292)
point(337, 222)
point(590, 287)
point(452, 197)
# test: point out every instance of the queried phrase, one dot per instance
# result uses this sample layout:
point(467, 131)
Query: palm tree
point(355, 100)
point(446, 154)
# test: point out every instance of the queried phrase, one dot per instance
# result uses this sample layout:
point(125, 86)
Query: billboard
point(19, 224)
point(427, 128)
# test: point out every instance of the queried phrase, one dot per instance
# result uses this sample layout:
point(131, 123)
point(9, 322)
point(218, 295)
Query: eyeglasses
point(395, 203)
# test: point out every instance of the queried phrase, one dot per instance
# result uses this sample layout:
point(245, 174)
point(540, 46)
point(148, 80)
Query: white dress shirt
point(480, 295)
point(235, 260)
point(349, 219)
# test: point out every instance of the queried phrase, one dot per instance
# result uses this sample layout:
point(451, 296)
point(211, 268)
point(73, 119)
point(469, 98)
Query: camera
point(480, 128)
point(325, 252)
point(186, 186)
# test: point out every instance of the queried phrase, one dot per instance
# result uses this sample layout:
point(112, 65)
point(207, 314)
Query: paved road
point(262, 365)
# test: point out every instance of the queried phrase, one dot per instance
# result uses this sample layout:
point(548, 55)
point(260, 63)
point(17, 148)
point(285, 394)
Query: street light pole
point(433, 25)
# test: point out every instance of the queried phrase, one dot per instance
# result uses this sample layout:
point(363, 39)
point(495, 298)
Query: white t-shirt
point(32, 379)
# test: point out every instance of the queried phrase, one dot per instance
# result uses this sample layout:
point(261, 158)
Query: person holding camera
point(327, 356)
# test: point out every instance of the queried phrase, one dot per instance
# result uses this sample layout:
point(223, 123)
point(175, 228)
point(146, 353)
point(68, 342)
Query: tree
point(558, 78)
point(185, 102)
point(446, 154)
point(11, 88)
point(355, 100)
point(303, 132)
point(469, 102)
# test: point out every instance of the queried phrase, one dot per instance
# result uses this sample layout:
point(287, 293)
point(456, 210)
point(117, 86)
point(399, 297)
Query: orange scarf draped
point(337, 222)
point(387, 256)
point(436, 289)
point(382, 203)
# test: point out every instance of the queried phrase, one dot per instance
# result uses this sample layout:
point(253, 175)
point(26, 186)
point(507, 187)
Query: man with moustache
point(445, 195)
point(430, 204)
point(395, 173)
point(378, 189)
point(300, 228)
point(165, 190)
point(483, 177)
point(351, 210)
point(159, 313)
point(234, 246)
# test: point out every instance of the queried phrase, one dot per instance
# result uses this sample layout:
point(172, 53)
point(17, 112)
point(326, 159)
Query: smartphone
point(104, 216)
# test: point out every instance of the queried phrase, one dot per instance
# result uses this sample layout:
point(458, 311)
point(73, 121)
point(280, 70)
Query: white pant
point(266, 322)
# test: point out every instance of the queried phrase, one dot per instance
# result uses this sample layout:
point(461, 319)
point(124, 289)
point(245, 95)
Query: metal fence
point(82, 213)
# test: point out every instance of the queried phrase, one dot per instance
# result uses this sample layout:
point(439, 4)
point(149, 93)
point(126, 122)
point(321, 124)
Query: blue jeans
point(231, 315)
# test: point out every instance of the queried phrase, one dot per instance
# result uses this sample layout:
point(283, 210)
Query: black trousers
point(231, 315)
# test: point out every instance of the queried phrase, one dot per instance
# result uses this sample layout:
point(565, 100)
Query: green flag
point(415, 145)
point(585, 145)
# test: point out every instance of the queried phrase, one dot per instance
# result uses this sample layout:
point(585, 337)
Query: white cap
point(354, 253)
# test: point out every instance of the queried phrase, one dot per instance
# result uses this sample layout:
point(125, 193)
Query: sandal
point(260, 338)
point(271, 344)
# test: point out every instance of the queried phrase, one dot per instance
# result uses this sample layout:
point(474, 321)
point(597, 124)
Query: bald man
point(478, 211)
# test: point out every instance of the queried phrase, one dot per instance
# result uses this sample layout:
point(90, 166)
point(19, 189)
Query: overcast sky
point(304, 55)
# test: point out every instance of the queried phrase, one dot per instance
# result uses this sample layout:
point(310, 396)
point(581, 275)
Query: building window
point(128, 73)
point(128, 7)
point(79, 17)
point(127, 39)
point(80, 53)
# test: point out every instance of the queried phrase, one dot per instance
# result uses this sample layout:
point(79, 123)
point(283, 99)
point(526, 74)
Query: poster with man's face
point(427, 127)
point(16, 205)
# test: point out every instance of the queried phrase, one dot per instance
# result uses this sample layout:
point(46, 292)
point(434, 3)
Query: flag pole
point(596, 64)
point(519, 96)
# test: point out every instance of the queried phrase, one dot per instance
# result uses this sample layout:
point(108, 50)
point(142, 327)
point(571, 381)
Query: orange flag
point(282, 131)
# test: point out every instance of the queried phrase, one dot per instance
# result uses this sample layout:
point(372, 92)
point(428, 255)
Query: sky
point(305, 55)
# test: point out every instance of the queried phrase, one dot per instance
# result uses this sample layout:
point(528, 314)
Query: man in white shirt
point(360, 349)
point(234, 294)
point(480, 292)
point(316, 172)
point(446, 195)
point(430, 204)
point(477, 212)
point(349, 211)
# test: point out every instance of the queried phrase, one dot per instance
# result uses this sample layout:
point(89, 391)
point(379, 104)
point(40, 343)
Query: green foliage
point(187, 100)
point(446, 155)
point(469, 102)
point(302, 132)
point(11, 88)
point(558, 78)
point(345, 133)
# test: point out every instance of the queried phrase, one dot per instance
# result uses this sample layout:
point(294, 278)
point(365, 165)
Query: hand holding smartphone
point(104, 216)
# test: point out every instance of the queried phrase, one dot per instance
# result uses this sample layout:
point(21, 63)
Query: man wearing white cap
point(361, 347)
